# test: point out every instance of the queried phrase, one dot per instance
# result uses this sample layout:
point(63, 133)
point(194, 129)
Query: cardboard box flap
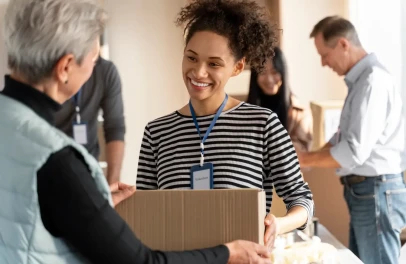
point(326, 117)
point(190, 219)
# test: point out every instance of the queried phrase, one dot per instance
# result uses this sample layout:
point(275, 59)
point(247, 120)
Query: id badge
point(201, 177)
point(80, 133)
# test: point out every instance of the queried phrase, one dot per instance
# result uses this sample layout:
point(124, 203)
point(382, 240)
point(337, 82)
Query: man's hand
point(271, 230)
point(120, 192)
point(317, 159)
point(247, 252)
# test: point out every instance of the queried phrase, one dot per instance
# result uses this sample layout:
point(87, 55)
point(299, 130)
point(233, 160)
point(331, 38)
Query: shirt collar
point(355, 72)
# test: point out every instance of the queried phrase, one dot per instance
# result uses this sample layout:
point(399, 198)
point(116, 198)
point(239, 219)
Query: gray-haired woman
point(56, 205)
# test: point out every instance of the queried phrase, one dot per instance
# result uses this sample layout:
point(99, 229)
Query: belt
point(352, 179)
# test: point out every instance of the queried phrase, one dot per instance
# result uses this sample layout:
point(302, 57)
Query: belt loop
point(345, 183)
point(383, 178)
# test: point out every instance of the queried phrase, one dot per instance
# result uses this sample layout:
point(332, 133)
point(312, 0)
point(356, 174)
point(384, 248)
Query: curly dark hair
point(244, 23)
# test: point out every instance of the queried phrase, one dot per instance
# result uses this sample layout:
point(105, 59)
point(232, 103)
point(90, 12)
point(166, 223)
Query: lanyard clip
point(77, 115)
point(201, 159)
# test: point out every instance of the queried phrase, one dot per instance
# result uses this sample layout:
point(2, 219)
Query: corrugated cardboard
point(190, 219)
point(319, 178)
point(318, 110)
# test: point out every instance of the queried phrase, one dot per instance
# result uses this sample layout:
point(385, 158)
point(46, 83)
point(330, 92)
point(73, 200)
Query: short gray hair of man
point(38, 33)
point(333, 27)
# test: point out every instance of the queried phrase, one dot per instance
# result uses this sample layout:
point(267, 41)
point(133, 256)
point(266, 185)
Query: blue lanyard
point(76, 99)
point(213, 122)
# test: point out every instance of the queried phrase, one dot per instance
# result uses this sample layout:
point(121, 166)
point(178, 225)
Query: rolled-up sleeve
point(367, 113)
point(333, 139)
point(112, 105)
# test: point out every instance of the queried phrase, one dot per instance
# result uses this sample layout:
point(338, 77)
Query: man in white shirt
point(368, 150)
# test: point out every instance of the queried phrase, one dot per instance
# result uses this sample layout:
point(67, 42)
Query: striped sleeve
point(282, 164)
point(147, 169)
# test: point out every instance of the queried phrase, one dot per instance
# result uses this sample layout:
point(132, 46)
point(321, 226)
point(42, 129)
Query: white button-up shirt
point(371, 136)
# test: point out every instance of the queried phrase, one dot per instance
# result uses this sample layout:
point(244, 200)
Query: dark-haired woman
point(270, 89)
point(216, 141)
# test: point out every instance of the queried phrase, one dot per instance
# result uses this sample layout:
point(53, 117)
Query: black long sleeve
point(72, 208)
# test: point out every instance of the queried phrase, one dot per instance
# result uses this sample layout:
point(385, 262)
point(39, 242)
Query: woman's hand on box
point(272, 229)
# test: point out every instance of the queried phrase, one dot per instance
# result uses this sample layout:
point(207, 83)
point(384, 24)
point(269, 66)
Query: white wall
point(239, 85)
point(147, 48)
point(379, 29)
point(403, 52)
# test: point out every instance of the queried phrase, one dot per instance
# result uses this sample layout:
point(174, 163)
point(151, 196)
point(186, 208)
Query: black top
point(101, 91)
point(72, 207)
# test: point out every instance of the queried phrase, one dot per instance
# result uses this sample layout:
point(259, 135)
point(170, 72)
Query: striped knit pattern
point(248, 147)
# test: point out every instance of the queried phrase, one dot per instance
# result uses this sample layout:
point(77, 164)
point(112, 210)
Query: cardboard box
point(326, 116)
point(191, 219)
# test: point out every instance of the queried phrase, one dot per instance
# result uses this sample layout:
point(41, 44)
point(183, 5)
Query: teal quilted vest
point(26, 142)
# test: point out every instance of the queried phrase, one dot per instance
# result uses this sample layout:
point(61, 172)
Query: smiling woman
point(230, 144)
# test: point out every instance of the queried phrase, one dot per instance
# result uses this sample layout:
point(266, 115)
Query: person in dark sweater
point(102, 91)
point(56, 204)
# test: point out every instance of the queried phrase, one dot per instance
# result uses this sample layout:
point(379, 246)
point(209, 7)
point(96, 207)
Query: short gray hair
point(333, 27)
point(38, 33)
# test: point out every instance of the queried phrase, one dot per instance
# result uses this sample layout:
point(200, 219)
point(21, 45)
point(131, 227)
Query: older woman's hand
point(121, 191)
